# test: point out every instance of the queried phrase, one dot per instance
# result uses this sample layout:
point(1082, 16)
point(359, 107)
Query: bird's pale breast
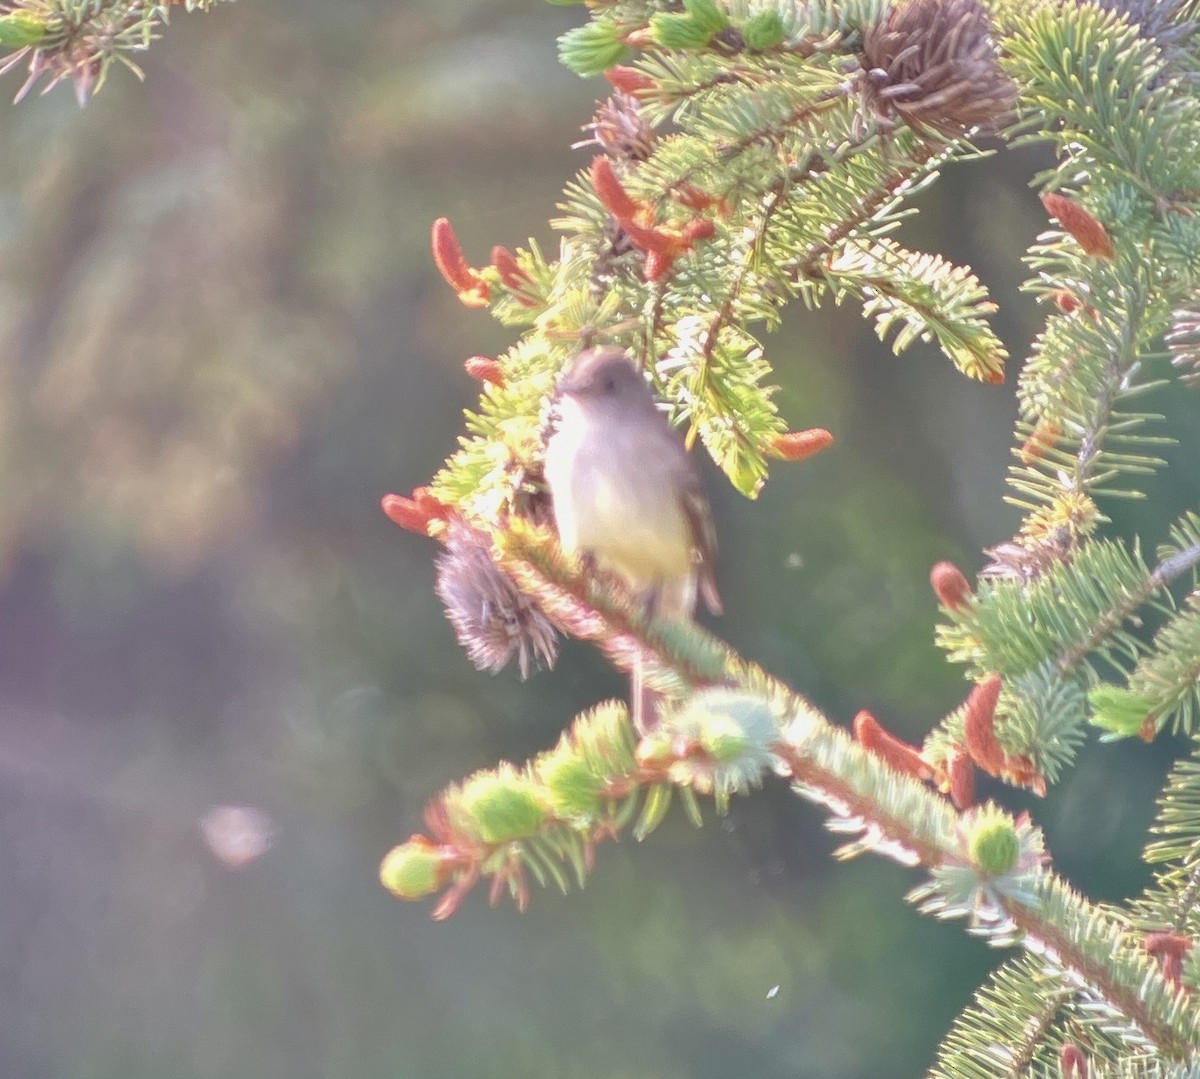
point(614, 499)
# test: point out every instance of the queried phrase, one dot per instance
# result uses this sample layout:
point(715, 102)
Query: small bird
point(626, 493)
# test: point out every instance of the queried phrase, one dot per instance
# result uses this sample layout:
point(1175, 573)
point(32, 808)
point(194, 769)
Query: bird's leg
point(644, 701)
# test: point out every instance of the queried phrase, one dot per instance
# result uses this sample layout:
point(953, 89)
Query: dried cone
point(619, 130)
point(932, 65)
point(494, 621)
point(1027, 558)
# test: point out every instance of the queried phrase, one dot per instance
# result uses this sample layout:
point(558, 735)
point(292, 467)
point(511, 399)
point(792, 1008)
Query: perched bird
point(627, 494)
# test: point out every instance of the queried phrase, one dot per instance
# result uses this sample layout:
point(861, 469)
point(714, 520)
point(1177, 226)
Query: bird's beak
point(568, 387)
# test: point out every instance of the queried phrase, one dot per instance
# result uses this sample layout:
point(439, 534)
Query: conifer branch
point(754, 154)
point(1187, 900)
point(1045, 638)
point(925, 160)
point(1101, 959)
point(1032, 1034)
point(597, 611)
point(721, 741)
point(1166, 913)
point(1093, 86)
point(80, 40)
point(1110, 620)
point(1020, 1020)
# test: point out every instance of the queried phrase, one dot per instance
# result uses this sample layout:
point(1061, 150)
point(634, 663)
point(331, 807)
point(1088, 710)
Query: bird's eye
point(610, 385)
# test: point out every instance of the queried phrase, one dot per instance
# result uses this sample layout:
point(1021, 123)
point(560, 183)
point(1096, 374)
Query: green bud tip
point(593, 48)
point(723, 738)
point(679, 32)
point(656, 750)
point(764, 31)
point(413, 870)
point(19, 29)
point(728, 724)
point(995, 846)
point(574, 789)
point(707, 14)
point(504, 805)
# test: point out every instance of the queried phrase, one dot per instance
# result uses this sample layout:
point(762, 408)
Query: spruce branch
point(1095, 86)
point(507, 822)
point(1110, 968)
point(1161, 689)
point(1078, 435)
point(912, 176)
point(1183, 341)
point(922, 297)
point(1094, 83)
point(1019, 1024)
point(1156, 580)
point(1177, 826)
point(1050, 638)
point(777, 141)
point(81, 39)
point(755, 153)
point(752, 154)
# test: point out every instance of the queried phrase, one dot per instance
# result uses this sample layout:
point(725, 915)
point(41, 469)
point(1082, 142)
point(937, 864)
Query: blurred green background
point(222, 338)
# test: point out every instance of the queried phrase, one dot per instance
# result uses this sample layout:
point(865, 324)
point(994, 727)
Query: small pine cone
point(619, 130)
point(492, 619)
point(960, 770)
point(951, 586)
point(979, 727)
point(932, 65)
point(1025, 559)
point(1086, 229)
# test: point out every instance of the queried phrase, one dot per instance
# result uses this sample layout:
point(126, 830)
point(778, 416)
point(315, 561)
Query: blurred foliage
point(221, 339)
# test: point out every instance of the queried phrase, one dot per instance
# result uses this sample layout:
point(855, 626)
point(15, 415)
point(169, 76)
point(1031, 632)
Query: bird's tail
point(675, 600)
point(644, 703)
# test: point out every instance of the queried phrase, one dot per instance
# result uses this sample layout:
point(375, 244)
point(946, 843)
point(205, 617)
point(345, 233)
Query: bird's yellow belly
point(644, 539)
